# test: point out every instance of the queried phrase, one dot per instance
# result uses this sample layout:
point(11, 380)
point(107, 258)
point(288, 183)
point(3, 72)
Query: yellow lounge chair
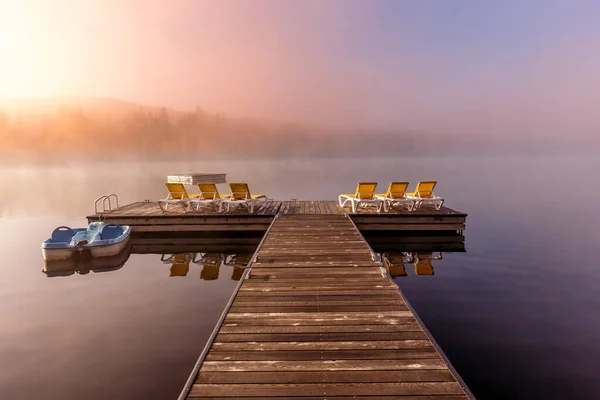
point(396, 193)
point(178, 195)
point(210, 192)
point(365, 194)
point(424, 194)
point(240, 195)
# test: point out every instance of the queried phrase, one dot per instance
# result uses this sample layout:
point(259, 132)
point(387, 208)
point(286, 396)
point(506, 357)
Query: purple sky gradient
point(443, 66)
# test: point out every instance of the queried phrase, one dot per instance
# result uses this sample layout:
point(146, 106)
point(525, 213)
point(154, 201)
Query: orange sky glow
point(347, 63)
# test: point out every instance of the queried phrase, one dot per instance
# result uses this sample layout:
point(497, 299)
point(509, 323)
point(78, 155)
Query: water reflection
point(210, 262)
point(394, 262)
point(181, 254)
point(395, 254)
point(180, 263)
point(238, 262)
point(83, 263)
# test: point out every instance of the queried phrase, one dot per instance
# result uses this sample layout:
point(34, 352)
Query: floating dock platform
point(148, 217)
point(315, 315)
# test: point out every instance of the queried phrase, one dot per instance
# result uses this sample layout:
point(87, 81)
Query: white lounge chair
point(211, 193)
point(365, 195)
point(424, 194)
point(240, 195)
point(178, 195)
point(396, 194)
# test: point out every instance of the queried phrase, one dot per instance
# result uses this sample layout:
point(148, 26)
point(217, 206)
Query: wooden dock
point(148, 217)
point(316, 317)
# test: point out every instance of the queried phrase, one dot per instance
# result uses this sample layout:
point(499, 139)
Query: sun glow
point(29, 66)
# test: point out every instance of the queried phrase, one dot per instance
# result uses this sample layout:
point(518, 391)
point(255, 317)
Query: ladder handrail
point(104, 203)
point(116, 200)
point(105, 198)
point(96, 203)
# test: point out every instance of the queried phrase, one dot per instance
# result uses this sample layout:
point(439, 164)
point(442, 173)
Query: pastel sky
point(458, 66)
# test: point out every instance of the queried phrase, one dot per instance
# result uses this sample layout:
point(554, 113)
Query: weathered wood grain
point(327, 376)
point(317, 318)
point(288, 355)
point(327, 389)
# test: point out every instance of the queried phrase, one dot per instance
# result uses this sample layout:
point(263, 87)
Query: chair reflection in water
point(422, 262)
point(239, 262)
point(180, 263)
point(211, 262)
point(394, 262)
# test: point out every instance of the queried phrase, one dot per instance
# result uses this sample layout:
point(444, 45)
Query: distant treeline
point(69, 132)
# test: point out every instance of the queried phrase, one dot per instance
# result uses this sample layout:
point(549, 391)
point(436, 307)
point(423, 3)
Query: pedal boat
point(99, 239)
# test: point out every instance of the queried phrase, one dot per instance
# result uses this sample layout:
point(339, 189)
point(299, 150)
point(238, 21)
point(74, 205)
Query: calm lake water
point(516, 314)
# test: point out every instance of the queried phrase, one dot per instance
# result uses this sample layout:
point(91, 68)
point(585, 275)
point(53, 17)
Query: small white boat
point(99, 238)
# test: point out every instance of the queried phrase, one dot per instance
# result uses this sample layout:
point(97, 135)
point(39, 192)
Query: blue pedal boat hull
point(99, 239)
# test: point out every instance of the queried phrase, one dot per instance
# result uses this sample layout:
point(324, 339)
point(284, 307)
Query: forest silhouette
point(55, 130)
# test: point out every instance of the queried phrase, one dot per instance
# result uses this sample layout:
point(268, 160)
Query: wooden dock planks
point(148, 217)
point(149, 209)
point(317, 319)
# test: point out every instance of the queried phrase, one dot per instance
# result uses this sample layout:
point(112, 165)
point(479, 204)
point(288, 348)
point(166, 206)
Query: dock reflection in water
point(175, 252)
point(420, 251)
point(210, 264)
point(396, 252)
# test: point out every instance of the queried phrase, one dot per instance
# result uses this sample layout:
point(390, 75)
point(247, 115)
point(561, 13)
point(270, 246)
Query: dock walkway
point(316, 318)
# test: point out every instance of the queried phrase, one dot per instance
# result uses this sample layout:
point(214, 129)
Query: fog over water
point(497, 101)
point(516, 314)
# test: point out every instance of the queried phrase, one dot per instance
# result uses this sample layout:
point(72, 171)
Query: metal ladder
point(105, 199)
